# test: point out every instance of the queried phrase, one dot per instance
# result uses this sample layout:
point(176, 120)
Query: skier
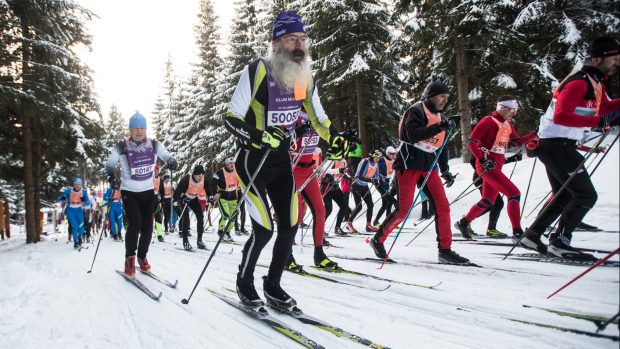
point(158, 187)
point(354, 156)
point(112, 197)
point(579, 103)
point(488, 143)
point(422, 131)
point(497, 206)
point(88, 216)
point(332, 190)
point(386, 170)
point(166, 201)
point(307, 159)
point(262, 115)
point(190, 190)
point(366, 174)
point(74, 198)
point(137, 156)
point(225, 187)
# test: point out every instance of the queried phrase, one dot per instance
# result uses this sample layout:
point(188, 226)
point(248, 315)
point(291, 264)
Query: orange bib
point(502, 138)
point(75, 198)
point(432, 144)
point(370, 170)
point(231, 180)
point(195, 189)
point(156, 184)
point(389, 163)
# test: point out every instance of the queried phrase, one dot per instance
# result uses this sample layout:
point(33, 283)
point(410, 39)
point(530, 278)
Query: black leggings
point(361, 192)
point(341, 200)
point(240, 218)
point(166, 202)
point(193, 205)
point(387, 201)
point(138, 208)
point(275, 180)
point(561, 159)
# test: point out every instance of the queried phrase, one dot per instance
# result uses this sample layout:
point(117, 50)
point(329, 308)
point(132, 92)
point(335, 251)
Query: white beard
point(285, 71)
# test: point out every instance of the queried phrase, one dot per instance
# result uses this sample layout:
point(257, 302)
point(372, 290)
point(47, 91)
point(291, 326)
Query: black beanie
point(603, 47)
point(435, 88)
point(198, 170)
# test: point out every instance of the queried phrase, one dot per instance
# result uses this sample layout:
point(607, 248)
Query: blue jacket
point(361, 170)
point(67, 193)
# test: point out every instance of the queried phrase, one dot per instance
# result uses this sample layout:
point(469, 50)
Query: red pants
point(494, 182)
point(407, 180)
point(312, 196)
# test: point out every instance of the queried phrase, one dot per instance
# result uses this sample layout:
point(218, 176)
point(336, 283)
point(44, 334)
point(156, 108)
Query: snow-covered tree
point(165, 110)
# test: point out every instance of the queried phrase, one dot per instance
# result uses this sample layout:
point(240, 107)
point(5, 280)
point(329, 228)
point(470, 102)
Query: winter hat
point(137, 120)
point(198, 170)
point(435, 88)
point(285, 23)
point(603, 47)
point(375, 153)
point(229, 160)
point(77, 181)
point(390, 150)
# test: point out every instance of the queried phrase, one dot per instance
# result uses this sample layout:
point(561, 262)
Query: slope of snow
point(48, 299)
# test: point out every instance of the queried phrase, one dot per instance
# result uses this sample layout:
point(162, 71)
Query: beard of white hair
point(286, 71)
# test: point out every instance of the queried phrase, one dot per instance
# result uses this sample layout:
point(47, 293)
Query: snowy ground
point(48, 299)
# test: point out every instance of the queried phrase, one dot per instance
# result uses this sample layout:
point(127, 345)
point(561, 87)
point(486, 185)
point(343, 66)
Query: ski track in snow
point(48, 299)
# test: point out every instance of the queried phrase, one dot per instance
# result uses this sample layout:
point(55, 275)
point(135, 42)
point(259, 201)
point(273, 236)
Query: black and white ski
point(596, 319)
point(565, 261)
point(159, 279)
point(307, 274)
point(140, 285)
point(261, 314)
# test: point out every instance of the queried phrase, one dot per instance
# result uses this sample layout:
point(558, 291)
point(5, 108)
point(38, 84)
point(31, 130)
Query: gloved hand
point(517, 157)
point(449, 177)
point(611, 120)
point(302, 129)
point(211, 199)
point(116, 185)
point(173, 164)
point(337, 147)
point(272, 137)
point(451, 122)
point(82, 199)
point(375, 180)
point(487, 164)
point(185, 199)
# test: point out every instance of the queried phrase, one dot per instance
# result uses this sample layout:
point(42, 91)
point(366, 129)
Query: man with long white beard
point(262, 115)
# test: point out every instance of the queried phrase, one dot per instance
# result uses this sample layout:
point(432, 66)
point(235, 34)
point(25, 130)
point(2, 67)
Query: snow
point(48, 299)
point(475, 94)
point(505, 81)
point(571, 33)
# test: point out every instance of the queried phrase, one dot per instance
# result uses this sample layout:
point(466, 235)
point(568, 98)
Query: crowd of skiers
point(279, 170)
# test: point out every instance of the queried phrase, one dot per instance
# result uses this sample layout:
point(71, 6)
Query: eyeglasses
point(292, 39)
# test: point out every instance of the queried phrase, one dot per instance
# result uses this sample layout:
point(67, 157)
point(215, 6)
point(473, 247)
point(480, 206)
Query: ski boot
point(76, 245)
point(186, 245)
point(321, 260)
point(586, 227)
point(247, 293)
point(351, 228)
point(201, 245)
point(160, 238)
point(516, 234)
point(276, 297)
point(371, 228)
point(447, 256)
point(531, 241)
point(293, 266)
point(561, 248)
point(339, 232)
point(130, 266)
point(144, 265)
point(465, 228)
point(496, 234)
point(377, 248)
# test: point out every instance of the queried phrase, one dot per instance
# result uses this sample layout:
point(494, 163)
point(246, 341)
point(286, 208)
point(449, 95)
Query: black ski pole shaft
point(245, 192)
point(100, 237)
point(360, 203)
point(562, 188)
point(527, 191)
point(458, 197)
point(603, 326)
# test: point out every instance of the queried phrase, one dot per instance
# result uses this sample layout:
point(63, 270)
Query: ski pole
point(458, 197)
point(564, 186)
point(243, 197)
point(370, 191)
point(528, 187)
point(430, 171)
point(599, 262)
point(100, 237)
point(602, 326)
point(325, 165)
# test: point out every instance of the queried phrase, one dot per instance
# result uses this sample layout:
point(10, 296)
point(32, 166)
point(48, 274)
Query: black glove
point(111, 180)
point(451, 122)
point(375, 180)
point(449, 177)
point(517, 157)
point(612, 120)
point(487, 164)
point(173, 164)
point(185, 199)
point(210, 199)
point(302, 129)
point(116, 185)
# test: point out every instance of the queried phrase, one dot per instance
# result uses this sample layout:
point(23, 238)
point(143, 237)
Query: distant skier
point(158, 187)
point(190, 190)
point(225, 187)
point(367, 174)
point(332, 189)
point(385, 166)
point(137, 156)
point(75, 198)
point(114, 206)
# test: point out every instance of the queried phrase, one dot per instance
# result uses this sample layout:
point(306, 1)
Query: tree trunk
point(463, 96)
point(29, 197)
point(361, 117)
point(36, 174)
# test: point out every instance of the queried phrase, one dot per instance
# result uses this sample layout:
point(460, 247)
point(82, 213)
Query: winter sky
point(131, 42)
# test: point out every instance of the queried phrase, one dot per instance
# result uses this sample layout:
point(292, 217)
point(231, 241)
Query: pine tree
point(116, 128)
point(165, 109)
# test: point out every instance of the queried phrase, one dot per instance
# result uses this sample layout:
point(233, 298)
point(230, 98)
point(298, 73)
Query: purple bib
point(282, 108)
point(141, 159)
point(309, 140)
